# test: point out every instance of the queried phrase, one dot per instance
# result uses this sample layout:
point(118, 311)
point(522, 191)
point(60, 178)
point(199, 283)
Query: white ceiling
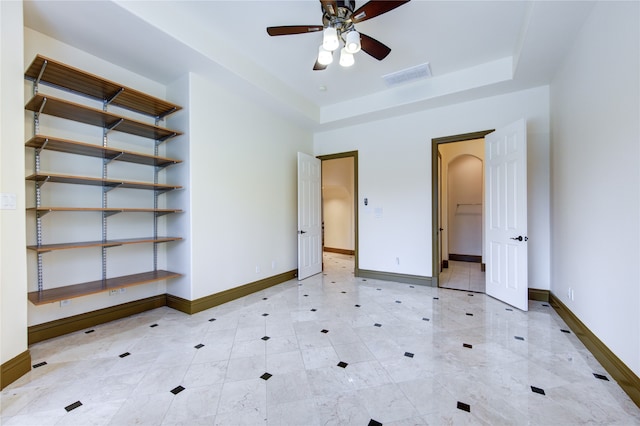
point(474, 48)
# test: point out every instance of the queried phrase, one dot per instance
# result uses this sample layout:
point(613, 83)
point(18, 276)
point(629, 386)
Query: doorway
point(457, 213)
point(340, 205)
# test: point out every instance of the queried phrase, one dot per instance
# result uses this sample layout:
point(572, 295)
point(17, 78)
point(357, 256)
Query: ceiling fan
point(338, 19)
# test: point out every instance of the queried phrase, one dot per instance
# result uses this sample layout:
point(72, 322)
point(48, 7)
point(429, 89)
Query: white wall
point(465, 205)
point(337, 203)
point(243, 199)
point(394, 164)
point(595, 178)
point(13, 275)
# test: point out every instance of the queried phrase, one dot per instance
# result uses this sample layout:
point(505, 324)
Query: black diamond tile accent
point(518, 337)
point(342, 364)
point(425, 319)
point(408, 354)
point(177, 390)
point(374, 423)
point(464, 407)
point(266, 376)
point(469, 294)
point(545, 305)
point(343, 292)
point(265, 338)
point(363, 280)
point(466, 345)
point(537, 390)
point(313, 310)
point(305, 295)
point(333, 282)
point(199, 345)
point(89, 331)
point(73, 406)
point(40, 364)
point(264, 298)
point(212, 320)
point(469, 314)
point(565, 331)
point(124, 355)
point(397, 301)
point(265, 315)
point(325, 331)
point(600, 376)
point(378, 289)
point(436, 298)
point(509, 309)
point(153, 325)
point(357, 306)
point(411, 286)
point(377, 325)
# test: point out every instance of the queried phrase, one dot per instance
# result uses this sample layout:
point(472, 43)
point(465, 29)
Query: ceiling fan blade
point(293, 29)
point(329, 6)
point(374, 8)
point(373, 47)
point(319, 67)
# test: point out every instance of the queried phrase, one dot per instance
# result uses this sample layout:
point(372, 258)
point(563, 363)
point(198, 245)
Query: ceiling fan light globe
point(325, 57)
point(330, 39)
point(346, 58)
point(352, 42)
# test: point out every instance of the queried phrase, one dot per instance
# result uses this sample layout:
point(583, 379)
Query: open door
point(309, 216)
point(506, 214)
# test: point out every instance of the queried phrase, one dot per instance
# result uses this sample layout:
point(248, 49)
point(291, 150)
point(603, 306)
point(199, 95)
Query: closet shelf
point(91, 150)
point(43, 248)
point(112, 183)
point(108, 210)
point(83, 289)
point(57, 74)
point(97, 117)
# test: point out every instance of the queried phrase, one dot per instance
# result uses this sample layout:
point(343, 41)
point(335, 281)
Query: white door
point(506, 214)
point(309, 216)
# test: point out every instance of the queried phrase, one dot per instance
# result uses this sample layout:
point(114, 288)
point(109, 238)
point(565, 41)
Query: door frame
point(435, 196)
point(354, 155)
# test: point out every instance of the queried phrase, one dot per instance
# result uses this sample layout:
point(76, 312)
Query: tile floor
point(463, 276)
point(330, 350)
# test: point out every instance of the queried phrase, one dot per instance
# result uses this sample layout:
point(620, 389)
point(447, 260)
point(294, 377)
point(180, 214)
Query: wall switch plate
point(113, 292)
point(65, 303)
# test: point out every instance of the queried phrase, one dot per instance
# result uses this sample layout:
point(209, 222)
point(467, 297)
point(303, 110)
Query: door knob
point(520, 238)
point(302, 232)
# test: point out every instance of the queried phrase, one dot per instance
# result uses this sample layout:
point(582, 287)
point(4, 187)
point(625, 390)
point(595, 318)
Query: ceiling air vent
point(413, 73)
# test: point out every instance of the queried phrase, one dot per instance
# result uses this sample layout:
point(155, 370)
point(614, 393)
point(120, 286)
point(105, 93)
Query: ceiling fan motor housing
point(341, 20)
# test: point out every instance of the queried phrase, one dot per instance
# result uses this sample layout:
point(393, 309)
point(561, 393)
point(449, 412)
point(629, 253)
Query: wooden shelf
point(66, 77)
point(93, 287)
point(97, 117)
point(91, 150)
point(108, 243)
point(83, 180)
point(110, 210)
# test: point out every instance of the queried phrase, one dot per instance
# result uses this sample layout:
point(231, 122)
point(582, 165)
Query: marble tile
point(221, 381)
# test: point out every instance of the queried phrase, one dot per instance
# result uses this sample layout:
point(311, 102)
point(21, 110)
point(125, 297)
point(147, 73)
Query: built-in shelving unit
point(52, 73)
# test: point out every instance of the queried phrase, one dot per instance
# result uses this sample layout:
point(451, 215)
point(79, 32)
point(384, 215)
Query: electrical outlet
point(257, 269)
point(113, 292)
point(123, 290)
point(65, 303)
point(397, 260)
point(273, 264)
point(569, 291)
